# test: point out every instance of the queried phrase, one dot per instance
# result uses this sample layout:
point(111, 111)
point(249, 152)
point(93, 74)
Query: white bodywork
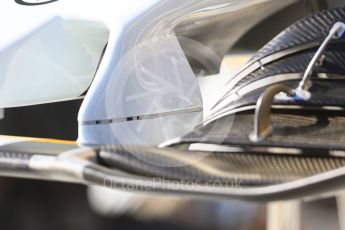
point(144, 91)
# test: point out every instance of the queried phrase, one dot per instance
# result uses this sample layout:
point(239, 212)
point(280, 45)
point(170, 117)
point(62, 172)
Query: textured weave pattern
point(317, 132)
point(323, 93)
point(315, 135)
point(220, 168)
point(311, 29)
point(334, 63)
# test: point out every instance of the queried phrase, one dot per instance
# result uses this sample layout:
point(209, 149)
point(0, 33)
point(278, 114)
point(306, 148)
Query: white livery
point(140, 86)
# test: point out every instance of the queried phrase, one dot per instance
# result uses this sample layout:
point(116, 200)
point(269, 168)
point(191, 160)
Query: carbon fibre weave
point(318, 131)
point(16, 162)
point(212, 168)
point(313, 28)
point(324, 92)
point(318, 137)
point(334, 62)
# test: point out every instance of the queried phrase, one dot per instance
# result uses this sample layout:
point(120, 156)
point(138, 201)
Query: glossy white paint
point(50, 52)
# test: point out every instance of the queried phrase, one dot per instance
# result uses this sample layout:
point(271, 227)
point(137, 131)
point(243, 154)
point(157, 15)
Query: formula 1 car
point(275, 132)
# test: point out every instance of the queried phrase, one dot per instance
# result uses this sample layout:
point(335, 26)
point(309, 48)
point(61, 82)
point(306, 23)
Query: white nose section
point(145, 91)
point(54, 62)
